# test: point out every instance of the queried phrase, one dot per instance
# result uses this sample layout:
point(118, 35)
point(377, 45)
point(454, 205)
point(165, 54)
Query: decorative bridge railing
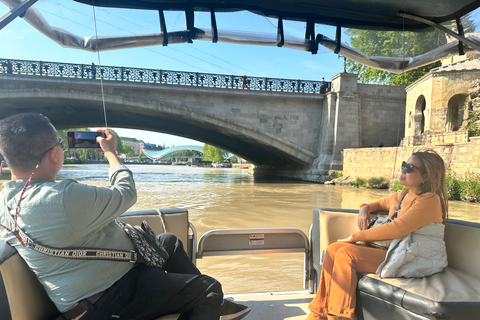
point(85, 71)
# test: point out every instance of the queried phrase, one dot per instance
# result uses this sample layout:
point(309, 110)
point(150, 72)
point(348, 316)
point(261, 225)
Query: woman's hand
point(364, 217)
point(349, 240)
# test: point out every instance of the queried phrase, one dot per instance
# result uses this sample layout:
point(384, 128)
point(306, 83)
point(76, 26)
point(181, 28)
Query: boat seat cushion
point(450, 294)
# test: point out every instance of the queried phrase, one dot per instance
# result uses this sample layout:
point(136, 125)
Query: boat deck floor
point(292, 305)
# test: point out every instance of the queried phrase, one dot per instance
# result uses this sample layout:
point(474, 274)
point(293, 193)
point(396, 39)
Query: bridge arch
point(78, 103)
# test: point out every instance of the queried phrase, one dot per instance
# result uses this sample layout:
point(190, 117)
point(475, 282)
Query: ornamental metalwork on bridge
point(210, 80)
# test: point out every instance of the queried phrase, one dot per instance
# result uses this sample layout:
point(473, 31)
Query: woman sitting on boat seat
point(424, 202)
point(68, 214)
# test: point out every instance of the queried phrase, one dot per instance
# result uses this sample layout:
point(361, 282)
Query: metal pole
point(18, 11)
point(461, 38)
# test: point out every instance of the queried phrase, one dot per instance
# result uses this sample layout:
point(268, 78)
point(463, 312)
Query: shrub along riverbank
point(465, 188)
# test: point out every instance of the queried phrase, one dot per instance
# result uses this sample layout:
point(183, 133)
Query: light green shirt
point(71, 214)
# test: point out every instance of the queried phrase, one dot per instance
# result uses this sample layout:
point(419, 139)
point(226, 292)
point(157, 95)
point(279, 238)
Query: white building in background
point(132, 143)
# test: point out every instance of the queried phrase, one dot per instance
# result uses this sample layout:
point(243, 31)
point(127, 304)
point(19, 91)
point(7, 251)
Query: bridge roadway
point(289, 134)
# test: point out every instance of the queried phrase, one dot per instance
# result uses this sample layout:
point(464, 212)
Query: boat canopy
point(298, 24)
point(366, 14)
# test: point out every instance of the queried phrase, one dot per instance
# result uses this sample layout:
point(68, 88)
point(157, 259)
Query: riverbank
point(459, 187)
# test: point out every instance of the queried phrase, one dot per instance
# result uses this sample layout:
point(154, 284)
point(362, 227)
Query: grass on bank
point(464, 188)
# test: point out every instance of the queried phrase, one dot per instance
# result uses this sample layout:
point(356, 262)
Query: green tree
point(119, 141)
point(211, 153)
point(127, 150)
point(396, 44)
point(392, 44)
point(186, 153)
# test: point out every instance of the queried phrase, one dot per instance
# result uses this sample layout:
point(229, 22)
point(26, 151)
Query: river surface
point(231, 198)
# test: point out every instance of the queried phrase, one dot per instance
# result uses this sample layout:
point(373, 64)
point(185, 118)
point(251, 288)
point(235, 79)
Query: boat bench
point(22, 297)
point(453, 293)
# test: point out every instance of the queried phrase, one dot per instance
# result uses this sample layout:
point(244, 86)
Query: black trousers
point(149, 293)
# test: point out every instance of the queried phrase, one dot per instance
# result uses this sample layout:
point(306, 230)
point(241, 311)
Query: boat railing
point(257, 241)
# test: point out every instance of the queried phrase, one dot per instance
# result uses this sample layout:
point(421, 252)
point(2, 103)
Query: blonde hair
point(433, 166)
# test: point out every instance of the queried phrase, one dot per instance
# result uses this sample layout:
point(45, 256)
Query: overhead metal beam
point(18, 11)
point(442, 28)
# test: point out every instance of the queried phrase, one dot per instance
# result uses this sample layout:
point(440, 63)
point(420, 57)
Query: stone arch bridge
point(289, 133)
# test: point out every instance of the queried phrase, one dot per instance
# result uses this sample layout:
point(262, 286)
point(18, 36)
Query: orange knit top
point(415, 211)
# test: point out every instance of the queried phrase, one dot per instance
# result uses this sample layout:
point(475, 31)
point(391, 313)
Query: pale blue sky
point(21, 41)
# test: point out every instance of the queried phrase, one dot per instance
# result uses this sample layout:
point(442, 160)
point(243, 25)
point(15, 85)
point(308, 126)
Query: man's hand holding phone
point(108, 146)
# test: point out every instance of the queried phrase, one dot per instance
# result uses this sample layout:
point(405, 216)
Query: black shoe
point(233, 311)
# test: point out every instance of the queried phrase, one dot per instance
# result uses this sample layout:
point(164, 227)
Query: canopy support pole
point(163, 27)
point(442, 28)
point(460, 32)
point(190, 17)
point(214, 26)
point(338, 39)
point(18, 11)
point(310, 35)
point(280, 35)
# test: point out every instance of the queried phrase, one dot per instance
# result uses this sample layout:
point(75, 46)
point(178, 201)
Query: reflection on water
point(231, 198)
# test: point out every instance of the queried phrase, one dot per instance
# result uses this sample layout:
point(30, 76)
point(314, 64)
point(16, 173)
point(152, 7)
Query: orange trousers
point(336, 296)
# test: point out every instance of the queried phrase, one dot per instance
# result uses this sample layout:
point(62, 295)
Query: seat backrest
point(334, 225)
point(176, 221)
point(22, 297)
point(462, 239)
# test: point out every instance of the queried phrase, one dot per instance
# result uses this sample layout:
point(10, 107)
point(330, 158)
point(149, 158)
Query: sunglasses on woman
point(408, 167)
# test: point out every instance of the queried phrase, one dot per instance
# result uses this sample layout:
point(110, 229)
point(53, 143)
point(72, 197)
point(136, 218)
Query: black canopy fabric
point(385, 15)
point(360, 14)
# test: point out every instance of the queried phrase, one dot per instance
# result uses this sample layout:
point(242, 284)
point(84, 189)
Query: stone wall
point(437, 138)
point(382, 111)
point(461, 158)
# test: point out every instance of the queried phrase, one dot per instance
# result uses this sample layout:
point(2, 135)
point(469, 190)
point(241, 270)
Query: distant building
point(132, 143)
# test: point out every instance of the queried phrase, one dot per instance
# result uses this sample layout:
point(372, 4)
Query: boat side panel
point(4, 307)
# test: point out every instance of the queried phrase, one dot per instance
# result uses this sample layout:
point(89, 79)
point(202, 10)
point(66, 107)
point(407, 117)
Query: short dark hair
point(23, 139)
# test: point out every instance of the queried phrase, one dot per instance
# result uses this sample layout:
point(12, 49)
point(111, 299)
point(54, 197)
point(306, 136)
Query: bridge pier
point(353, 115)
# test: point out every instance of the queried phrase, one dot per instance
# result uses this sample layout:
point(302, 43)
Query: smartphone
point(84, 139)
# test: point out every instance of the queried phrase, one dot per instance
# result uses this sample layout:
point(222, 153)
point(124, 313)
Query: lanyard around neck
point(15, 230)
